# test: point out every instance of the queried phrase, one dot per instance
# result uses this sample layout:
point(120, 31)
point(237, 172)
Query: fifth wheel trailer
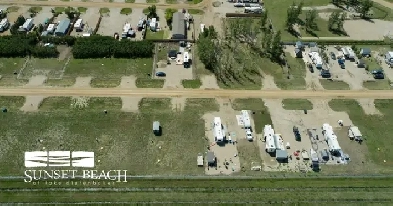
point(219, 133)
point(28, 24)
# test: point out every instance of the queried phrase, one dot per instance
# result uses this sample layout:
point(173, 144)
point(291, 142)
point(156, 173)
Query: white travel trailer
point(253, 10)
point(78, 26)
point(279, 142)
point(219, 133)
point(269, 139)
point(51, 28)
point(4, 24)
point(246, 119)
point(331, 139)
point(28, 24)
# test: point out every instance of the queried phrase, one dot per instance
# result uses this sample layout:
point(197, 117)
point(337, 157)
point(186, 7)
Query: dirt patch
point(65, 52)
point(178, 104)
point(227, 152)
point(32, 103)
point(209, 82)
point(284, 120)
point(129, 104)
point(369, 106)
point(268, 82)
point(36, 81)
point(82, 82)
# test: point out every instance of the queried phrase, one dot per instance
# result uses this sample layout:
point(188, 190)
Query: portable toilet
point(156, 128)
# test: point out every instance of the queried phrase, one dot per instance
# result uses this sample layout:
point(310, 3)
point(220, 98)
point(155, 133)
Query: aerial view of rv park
point(196, 102)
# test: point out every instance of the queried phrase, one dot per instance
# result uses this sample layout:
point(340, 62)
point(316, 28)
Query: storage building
point(282, 156)
point(4, 24)
point(354, 133)
point(156, 128)
point(62, 27)
point(211, 159)
point(28, 24)
point(179, 27)
point(200, 160)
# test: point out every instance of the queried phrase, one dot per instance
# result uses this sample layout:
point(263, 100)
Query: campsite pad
point(240, 121)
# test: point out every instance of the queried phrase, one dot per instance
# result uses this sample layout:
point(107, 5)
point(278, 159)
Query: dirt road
point(102, 4)
point(197, 93)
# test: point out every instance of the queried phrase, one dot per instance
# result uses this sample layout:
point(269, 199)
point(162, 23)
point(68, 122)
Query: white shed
point(200, 160)
point(354, 133)
point(28, 24)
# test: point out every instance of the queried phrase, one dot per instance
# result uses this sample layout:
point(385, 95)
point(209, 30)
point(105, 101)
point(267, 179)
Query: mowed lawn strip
point(75, 123)
point(297, 104)
point(241, 197)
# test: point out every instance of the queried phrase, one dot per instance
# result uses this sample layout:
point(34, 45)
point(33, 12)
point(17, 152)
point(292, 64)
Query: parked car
point(160, 74)
point(332, 55)
point(342, 66)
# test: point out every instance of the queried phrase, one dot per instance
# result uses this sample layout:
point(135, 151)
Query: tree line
point(235, 54)
point(336, 18)
point(104, 46)
point(24, 45)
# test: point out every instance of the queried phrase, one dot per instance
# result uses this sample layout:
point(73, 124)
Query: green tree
point(206, 52)
point(70, 12)
point(299, 10)
point(291, 17)
point(267, 41)
point(276, 47)
point(365, 7)
point(169, 15)
point(337, 2)
point(152, 12)
point(334, 18)
point(264, 18)
point(311, 16)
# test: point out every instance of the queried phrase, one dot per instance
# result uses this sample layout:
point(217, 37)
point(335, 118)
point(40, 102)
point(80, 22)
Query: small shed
point(312, 44)
point(299, 45)
point(298, 53)
point(200, 160)
point(211, 159)
point(365, 52)
point(281, 156)
point(362, 63)
point(156, 128)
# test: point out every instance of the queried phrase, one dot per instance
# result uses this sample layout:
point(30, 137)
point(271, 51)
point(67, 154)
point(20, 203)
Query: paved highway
point(197, 93)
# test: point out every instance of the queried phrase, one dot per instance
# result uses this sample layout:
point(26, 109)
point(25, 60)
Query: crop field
point(312, 190)
point(120, 140)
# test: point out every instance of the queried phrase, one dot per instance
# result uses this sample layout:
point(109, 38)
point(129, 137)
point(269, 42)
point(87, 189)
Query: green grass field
point(378, 84)
point(155, 35)
point(74, 124)
point(269, 191)
point(297, 104)
point(7, 68)
point(191, 83)
point(376, 129)
point(334, 85)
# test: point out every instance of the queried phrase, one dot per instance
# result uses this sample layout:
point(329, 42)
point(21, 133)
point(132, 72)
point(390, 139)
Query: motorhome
point(246, 119)
point(219, 133)
point(331, 139)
